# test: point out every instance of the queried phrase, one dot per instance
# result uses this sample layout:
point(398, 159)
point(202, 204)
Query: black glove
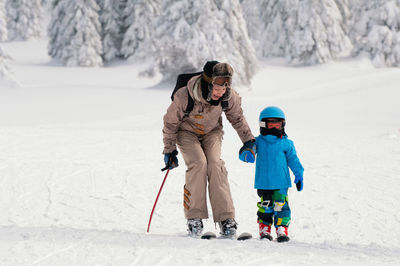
point(171, 161)
point(299, 183)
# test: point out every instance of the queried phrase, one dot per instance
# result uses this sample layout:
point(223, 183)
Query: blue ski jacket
point(274, 156)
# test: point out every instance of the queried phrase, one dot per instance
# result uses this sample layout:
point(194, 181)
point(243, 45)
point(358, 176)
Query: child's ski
point(267, 236)
point(281, 239)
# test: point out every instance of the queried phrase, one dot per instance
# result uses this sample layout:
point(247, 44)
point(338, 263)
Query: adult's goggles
point(222, 81)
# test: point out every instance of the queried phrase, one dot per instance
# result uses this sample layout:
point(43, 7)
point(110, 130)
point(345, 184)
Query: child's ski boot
point(228, 227)
point(265, 231)
point(195, 227)
point(282, 234)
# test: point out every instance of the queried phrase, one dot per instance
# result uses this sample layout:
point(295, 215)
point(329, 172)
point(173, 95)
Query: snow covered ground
point(80, 160)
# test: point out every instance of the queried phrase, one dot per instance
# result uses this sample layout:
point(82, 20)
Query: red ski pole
point(155, 203)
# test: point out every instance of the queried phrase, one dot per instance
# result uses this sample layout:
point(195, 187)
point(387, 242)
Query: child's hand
point(247, 156)
point(248, 152)
point(299, 183)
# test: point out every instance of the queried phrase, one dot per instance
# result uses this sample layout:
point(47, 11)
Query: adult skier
point(199, 138)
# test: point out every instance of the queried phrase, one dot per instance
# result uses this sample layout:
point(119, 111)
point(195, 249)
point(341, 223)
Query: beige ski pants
point(202, 155)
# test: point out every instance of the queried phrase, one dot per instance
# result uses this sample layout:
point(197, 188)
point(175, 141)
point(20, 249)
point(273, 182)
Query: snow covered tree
point(55, 45)
point(111, 19)
point(303, 31)
point(376, 31)
point(45, 2)
point(24, 19)
point(100, 3)
point(138, 27)
point(319, 35)
point(255, 25)
point(345, 7)
point(189, 32)
point(3, 23)
point(76, 40)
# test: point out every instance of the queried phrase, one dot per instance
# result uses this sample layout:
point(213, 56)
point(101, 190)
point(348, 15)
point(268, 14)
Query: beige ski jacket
point(204, 117)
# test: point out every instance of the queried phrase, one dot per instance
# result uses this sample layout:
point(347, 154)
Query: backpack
point(181, 82)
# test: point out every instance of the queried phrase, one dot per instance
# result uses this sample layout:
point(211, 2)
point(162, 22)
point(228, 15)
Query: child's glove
point(248, 152)
point(299, 183)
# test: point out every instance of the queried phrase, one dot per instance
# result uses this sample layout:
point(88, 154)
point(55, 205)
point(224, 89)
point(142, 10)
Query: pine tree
point(110, 18)
point(376, 31)
point(77, 38)
point(252, 15)
point(344, 7)
point(138, 27)
point(319, 36)
point(55, 45)
point(100, 3)
point(24, 19)
point(3, 23)
point(45, 2)
point(189, 32)
point(302, 31)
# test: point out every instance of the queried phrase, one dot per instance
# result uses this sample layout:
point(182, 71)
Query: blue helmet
point(272, 112)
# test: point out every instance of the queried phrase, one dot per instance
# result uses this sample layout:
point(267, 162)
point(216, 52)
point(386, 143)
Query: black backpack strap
point(224, 105)
point(190, 104)
point(182, 81)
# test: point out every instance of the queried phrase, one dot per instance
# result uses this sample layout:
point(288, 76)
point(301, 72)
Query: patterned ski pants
point(273, 207)
point(205, 169)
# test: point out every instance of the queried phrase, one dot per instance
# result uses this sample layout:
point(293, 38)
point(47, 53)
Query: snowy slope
point(80, 159)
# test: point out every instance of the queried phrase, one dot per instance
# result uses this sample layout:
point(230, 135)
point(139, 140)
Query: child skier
point(275, 153)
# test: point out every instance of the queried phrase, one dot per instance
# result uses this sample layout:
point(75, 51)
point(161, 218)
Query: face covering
point(214, 102)
point(271, 131)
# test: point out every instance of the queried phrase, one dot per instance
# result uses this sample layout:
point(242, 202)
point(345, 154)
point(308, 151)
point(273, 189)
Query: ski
point(241, 237)
point(281, 239)
point(267, 236)
point(244, 236)
point(278, 239)
point(208, 235)
point(211, 235)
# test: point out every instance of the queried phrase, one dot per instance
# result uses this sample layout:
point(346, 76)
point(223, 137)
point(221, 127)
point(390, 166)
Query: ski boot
point(265, 231)
point(195, 227)
point(228, 227)
point(282, 234)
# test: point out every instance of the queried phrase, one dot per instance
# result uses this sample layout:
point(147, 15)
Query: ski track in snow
point(73, 245)
point(78, 183)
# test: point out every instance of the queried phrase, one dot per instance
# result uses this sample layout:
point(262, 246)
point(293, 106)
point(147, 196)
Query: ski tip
point(244, 236)
point(208, 235)
point(267, 236)
point(282, 239)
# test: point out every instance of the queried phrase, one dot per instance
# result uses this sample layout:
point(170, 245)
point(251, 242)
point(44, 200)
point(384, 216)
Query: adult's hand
point(171, 161)
point(248, 152)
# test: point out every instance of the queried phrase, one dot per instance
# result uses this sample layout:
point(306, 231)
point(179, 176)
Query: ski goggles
point(222, 82)
point(271, 124)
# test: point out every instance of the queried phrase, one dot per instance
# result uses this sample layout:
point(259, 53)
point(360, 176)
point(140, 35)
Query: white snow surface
point(80, 160)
